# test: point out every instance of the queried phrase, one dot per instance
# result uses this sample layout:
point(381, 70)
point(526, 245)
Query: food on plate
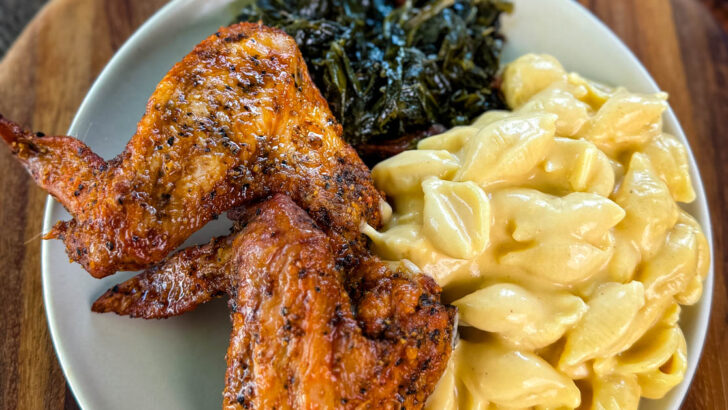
point(309, 333)
point(391, 70)
point(317, 320)
point(177, 284)
point(554, 229)
point(236, 120)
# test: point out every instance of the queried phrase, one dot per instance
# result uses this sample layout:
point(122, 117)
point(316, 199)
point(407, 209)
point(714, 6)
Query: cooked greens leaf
point(389, 71)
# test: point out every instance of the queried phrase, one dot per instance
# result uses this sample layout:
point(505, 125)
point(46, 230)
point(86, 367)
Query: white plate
point(113, 362)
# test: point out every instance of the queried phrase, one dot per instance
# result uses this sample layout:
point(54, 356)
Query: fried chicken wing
point(236, 120)
point(176, 285)
point(309, 332)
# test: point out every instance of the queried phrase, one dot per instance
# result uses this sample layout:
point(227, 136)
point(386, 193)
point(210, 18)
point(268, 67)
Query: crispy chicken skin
point(178, 284)
point(300, 340)
point(236, 120)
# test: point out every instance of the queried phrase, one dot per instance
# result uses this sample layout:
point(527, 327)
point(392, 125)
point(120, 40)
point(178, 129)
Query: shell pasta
point(555, 229)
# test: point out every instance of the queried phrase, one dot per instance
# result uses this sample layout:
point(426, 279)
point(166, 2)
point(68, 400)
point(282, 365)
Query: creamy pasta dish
point(555, 230)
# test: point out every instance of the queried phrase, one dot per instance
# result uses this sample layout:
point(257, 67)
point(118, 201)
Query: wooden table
point(45, 75)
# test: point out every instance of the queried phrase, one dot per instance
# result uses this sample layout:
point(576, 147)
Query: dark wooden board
point(45, 75)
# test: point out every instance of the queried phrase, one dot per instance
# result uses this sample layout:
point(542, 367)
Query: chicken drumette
point(236, 120)
point(299, 339)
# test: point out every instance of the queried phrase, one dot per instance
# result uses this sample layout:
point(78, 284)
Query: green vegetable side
point(393, 74)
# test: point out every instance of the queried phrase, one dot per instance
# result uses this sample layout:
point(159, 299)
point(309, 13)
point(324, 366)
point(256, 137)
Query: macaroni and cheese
point(555, 230)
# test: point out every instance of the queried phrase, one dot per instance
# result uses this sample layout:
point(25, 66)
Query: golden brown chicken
point(299, 340)
point(236, 120)
point(317, 321)
point(178, 284)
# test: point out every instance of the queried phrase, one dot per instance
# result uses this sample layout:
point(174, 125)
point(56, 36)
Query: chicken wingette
point(301, 338)
point(178, 284)
point(235, 121)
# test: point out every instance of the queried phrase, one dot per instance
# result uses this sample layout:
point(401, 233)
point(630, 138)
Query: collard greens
point(390, 71)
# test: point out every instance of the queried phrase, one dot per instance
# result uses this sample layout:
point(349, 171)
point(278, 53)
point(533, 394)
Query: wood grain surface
point(720, 10)
point(49, 69)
